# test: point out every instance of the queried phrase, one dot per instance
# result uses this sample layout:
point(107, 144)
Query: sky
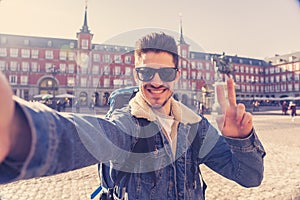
point(247, 28)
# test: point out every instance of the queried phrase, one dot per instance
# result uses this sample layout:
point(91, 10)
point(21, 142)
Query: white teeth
point(157, 91)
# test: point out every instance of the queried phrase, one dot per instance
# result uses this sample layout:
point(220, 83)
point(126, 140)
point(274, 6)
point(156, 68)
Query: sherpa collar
point(140, 108)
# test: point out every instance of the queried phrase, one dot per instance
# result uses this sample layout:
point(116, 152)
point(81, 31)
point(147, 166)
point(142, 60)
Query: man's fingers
point(231, 92)
point(240, 111)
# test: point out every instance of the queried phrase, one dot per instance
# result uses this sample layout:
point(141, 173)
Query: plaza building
point(90, 71)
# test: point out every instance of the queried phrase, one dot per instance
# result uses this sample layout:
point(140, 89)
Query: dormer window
point(26, 42)
point(3, 40)
point(49, 43)
point(84, 44)
point(72, 45)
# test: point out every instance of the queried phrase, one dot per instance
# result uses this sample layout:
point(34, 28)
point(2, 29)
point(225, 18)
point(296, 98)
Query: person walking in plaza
point(284, 108)
point(156, 142)
point(293, 109)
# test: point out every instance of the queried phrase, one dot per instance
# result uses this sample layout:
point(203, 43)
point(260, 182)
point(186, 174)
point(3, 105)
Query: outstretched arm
point(15, 137)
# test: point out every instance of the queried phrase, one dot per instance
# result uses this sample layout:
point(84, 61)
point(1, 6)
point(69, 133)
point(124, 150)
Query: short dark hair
point(157, 42)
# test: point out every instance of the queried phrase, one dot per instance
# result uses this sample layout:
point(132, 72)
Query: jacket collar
point(141, 109)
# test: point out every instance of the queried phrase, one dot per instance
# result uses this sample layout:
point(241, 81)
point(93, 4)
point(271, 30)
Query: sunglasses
point(166, 74)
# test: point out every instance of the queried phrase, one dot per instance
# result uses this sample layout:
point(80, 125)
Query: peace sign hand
point(235, 121)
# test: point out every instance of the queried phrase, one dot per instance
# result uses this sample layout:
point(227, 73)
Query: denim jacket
point(62, 142)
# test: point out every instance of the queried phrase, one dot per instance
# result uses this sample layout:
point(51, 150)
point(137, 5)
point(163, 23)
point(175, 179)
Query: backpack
point(120, 98)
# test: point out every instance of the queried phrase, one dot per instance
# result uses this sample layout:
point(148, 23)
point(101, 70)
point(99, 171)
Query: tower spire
point(85, 28)
point(181, 41)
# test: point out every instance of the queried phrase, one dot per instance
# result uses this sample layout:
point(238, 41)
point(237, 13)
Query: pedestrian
point(156, 143)
point(293, 109)
point(284, 107)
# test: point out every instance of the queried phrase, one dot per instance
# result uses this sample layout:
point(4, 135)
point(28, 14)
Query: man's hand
point(235, 121)
point(6, 115)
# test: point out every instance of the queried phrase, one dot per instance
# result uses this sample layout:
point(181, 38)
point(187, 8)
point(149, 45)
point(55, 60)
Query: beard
point(154, 102)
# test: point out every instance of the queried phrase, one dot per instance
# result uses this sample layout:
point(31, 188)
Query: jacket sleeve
point(64, 142)
point(240, 160)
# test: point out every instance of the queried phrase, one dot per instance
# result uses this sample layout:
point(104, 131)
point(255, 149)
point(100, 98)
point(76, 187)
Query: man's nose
point(156, 80)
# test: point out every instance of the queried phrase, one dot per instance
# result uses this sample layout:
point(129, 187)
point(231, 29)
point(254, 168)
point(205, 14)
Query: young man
point(151, 149)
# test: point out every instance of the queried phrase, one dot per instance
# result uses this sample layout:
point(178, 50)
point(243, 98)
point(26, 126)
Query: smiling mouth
point(156, 91)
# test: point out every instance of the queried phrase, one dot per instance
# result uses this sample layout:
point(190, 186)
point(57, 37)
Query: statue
point(223, 66)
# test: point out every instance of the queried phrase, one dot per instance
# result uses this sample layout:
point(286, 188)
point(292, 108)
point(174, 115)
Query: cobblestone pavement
point(281, 139)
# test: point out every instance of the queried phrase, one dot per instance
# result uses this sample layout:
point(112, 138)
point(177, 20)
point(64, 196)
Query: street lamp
point(253, 82)
point(54, 71)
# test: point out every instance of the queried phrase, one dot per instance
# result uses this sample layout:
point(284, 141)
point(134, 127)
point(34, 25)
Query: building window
point(26, 42)
point(193, 65)
point(127, 59)
point(184, 64)
point(128, 71)
point(13, 66)
point(95, 69)
point(83, 82)
point(95, 82)
point(207, 66)
point(24, 80)
point(199, 65)
point(34, 67)
point(193, 75)
point(117, 70)
point(49, 54)
point(96, 58)
point(34, 53)
point(25, 67)
point(25, 53)
point(71, 68)
point(84, 44)
point(193, 85)
point(62, 68)
point(117, 59)
point(106, 59)
point(3, 40)
point(70, 82)
point(49, 43)
point(117, 82)
point(106, 82)
point(106, 70)
point(48, 67)
point(71, 56)
point(283, 87)
point(14, 52)
point(72, 45)
point(63, 55)
point(184, 74)
point(207, 76)
point(3, 52)
point(13, 79)
point(83, 70)
point(184, 53)
point(2, 65)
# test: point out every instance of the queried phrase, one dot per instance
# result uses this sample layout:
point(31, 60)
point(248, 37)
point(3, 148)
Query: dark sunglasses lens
point(167, 74)
point(145, 74)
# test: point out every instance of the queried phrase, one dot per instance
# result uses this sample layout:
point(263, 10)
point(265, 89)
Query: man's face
point(160, 88)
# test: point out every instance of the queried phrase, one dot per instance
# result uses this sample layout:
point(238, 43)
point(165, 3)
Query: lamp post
point(54, 71)
point(255, 104)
